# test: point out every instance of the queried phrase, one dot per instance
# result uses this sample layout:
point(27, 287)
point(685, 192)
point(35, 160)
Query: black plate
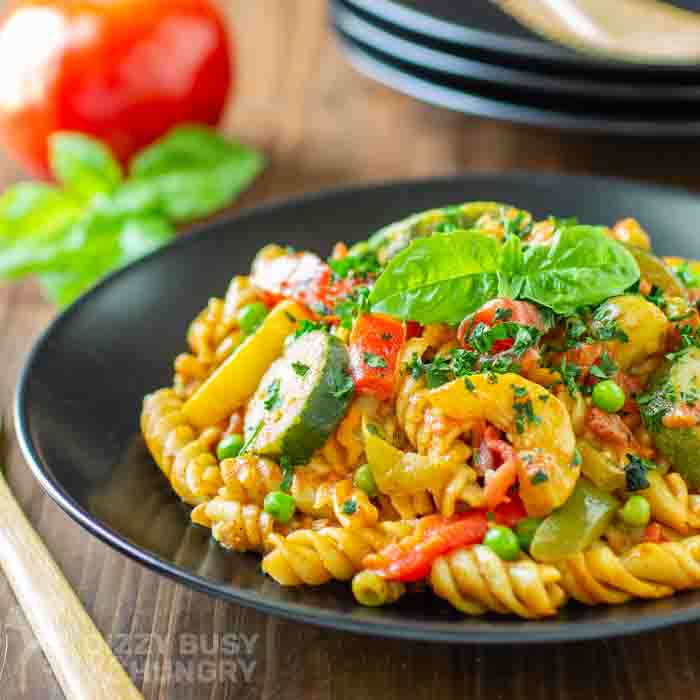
point(79, 396)
point(480, 24)
point(655, 120)
point(364, 28)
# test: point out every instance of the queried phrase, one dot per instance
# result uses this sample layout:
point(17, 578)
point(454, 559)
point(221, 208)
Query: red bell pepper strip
point(375, 345)
point(441, 537)
point(511, 512)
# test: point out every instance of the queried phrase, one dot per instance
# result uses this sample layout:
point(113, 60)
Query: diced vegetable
point(375, 346)
point(636, 512)
point(669, 410)
point(291, 414)
point(251, 316)
point(658, 272)
point(526, 530)
point(280, 506)
point(600, 468)
point(364, 479)
point(236, 380)
point(608, 396)
point(633, 327)
point(577, 524)
point(400, 473)
point(229, 447)
point(503, 542)
point(443, 536)
point(487, 216)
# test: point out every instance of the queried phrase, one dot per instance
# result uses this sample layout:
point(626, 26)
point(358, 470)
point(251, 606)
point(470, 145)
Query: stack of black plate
point(469, 56)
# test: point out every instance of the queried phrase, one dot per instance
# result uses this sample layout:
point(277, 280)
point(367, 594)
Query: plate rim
point(422, 23)
point(343, 12)
point(445, 96)
point(537, 632)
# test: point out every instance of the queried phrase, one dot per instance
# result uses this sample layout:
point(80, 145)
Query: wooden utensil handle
point(81, 659)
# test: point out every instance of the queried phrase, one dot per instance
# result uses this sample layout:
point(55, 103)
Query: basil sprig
point(99, 218)
point(444, 278)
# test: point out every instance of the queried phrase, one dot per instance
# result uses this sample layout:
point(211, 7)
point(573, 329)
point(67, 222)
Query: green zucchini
point(300, 400)
point(676, 383)
point(392, 239)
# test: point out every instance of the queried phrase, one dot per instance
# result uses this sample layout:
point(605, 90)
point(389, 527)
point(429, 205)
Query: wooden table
point(322, 124)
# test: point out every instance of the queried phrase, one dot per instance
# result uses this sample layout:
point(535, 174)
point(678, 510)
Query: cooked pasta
point(503, 411)
point(476, 580)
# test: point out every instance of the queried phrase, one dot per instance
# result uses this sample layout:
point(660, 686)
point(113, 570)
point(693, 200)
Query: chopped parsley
point(524, 411)
point(517, 226)
point(576, 459)
point(470, 386)
point(300, 368)
point(654, 405)
point(273, 399)
point(575, 331)
point(569, 373)
point(605, 368)
point(287, 474)
point(305, 326)
point(349, 507)
point(605, 328)
point(503, 314)
point(636, 473)
point(539, 477)
point(356, 304)
point(689, 278)
point(375, 361)
point(483, 337)
point(656, 296)
point(690, 338)
point(341, 382)
point(360, 265)
point(252, 437)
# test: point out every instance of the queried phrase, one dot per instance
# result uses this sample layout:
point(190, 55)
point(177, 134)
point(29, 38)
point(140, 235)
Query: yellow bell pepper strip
point(576, 525)
point(400, 473)
point(536, 424)
point(238, 378)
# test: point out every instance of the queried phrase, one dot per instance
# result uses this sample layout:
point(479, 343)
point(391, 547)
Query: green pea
point(280, 506)
point(525, 530)
point(609, 396)
point(636, 512)
point(364, 479)
point(230, 446)
point(502, 541)
point(251, 316)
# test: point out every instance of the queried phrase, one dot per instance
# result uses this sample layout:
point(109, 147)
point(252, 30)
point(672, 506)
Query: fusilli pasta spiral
point(476, 580)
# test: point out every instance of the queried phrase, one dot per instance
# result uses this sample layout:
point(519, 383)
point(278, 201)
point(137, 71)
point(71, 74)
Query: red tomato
point(375, 346)
point(521, 312)
point(124, 71)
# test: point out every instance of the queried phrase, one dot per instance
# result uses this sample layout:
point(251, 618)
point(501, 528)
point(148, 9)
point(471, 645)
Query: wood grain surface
point(322, 124)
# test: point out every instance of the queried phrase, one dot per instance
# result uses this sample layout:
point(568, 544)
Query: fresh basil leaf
point(37, 210)
point(512, 257)
point(439, 279)
point(83, 165)
point(97, 250)
point(194, 172)
point(581, 267)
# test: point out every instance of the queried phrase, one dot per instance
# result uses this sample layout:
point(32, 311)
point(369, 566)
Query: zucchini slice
point(301, 399)
point(675, 386)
